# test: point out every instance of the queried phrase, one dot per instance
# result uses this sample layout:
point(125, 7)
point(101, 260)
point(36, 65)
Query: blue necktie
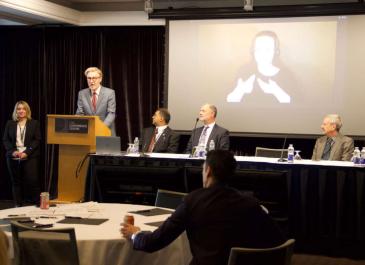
point(203, 136)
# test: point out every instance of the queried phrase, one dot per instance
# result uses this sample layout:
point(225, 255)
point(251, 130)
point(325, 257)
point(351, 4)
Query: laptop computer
point(108, 145)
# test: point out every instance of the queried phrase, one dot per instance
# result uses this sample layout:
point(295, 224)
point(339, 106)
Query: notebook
point(108, 145)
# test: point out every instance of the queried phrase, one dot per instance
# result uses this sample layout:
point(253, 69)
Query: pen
point(16, 215)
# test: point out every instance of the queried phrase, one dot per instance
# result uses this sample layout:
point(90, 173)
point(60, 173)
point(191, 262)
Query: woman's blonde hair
point(27, 109)
point(4, 248)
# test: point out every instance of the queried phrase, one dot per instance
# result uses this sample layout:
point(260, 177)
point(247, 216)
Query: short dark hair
point(165, 114)
point(222, 163)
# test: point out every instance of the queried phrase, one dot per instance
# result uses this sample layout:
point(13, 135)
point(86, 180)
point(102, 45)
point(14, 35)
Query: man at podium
point(97, 100)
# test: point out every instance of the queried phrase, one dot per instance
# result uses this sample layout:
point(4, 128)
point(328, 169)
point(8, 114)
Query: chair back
point(280, 255)
point(36, 246)
point(169, 199)
point(4, 249)
point(270, 187)
point(269, 152)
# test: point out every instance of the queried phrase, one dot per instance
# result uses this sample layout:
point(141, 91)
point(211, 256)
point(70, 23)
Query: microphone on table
point(281, 159)
point(192, 137)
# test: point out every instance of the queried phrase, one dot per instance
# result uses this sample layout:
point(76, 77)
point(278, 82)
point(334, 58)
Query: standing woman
point(21, 140)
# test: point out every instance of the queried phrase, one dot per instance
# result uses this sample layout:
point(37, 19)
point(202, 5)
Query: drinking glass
point(297, 155)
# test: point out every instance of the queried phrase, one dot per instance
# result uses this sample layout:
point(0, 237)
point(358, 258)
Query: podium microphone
point(192, 137)
point(281, 159)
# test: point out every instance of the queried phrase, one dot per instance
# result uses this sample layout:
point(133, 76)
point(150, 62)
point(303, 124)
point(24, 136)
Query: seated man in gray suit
point(210, 131)
point(97, 100)
point(160, 138)
point(333, 145)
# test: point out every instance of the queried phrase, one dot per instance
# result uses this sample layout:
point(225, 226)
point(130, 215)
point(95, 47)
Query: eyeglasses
point(93, 77)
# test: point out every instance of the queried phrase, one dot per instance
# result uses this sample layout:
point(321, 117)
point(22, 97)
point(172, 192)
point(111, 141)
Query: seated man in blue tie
point(215, 218)
point(160, 138)
point(333, 145)
point(210, 131)
point(97, 100)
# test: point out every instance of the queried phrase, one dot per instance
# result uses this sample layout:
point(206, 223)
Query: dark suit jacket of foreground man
point(219, 135)
point(216, 219)
point(168, 142)
point(341, 150)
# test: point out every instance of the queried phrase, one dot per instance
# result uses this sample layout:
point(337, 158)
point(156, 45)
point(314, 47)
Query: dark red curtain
point(44, 66)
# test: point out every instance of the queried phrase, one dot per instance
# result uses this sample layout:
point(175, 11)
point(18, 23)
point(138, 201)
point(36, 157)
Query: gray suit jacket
point(105, 106)
point(219, 135)
point(341, 150)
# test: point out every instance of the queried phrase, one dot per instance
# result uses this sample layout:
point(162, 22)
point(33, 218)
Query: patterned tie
point(153, 141)
point(203, 136)
point(327, 149)
point(93, 101)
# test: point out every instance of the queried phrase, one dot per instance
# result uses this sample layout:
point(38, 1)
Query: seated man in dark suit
point(333, 145)
point(210, 131)
point(216, 218)
point(160, 138)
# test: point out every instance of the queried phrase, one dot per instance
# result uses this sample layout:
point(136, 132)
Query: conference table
point(326, 198)
point(103, 244)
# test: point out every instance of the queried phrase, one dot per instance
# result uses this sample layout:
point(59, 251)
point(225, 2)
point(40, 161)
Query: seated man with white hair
point(333, 145)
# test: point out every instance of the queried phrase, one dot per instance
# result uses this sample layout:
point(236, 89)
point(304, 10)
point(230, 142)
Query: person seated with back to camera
point(215, 217)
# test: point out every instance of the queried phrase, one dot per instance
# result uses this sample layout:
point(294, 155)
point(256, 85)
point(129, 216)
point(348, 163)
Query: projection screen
point(277, 75)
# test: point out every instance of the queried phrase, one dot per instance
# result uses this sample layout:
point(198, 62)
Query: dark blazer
point(341, 150)
point(218, 134)
point(168, 142)
point(105, 106)
point(215, 219)
point(31, 140)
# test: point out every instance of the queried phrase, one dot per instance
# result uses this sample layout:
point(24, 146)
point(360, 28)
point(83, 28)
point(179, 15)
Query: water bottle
point(136, 145)
point(202, 151)
point(356, 157)
point(290, 153)
point(211, 145)
point(362, 156)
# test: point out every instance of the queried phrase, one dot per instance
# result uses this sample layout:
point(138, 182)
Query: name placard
point(66, 125)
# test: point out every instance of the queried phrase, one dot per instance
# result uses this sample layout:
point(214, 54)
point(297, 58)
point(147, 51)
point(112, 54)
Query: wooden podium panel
point(76, 137)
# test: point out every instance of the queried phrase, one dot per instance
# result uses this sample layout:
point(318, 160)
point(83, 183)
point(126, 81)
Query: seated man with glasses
point(97, 100)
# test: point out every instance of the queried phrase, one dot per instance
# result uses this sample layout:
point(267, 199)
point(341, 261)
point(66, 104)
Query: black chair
point(280, 255)
point(37, 246)
point(269, 152)
point(269, 187)
point(169, 199)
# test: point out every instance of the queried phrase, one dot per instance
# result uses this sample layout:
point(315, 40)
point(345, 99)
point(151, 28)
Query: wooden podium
point(76, 137)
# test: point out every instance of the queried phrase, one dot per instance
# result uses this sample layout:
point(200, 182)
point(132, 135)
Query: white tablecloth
point(103, 244)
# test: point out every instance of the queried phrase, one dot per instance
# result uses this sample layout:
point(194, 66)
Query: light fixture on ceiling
point(248, 5)
point(148, 6)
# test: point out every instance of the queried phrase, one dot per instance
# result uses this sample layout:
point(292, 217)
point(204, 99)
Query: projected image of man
point(210, 131)
point(333, 145)
point(266, 74)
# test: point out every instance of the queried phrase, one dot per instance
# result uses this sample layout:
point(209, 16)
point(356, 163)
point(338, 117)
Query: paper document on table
point(82, 221)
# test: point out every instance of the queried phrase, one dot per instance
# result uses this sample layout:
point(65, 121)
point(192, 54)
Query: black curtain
point(44, 66)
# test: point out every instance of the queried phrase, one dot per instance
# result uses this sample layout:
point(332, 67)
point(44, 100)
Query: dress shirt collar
point(160, 130)
point(97, 91)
